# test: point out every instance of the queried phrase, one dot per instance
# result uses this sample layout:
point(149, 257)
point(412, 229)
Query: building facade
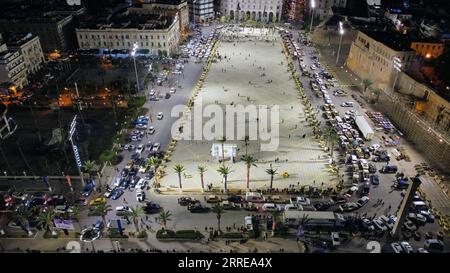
point(201, 10)
point(178, 8)
point(372, 56)
point(12, 68)
point(30, 48)
point(262, 10)
point(157, 38)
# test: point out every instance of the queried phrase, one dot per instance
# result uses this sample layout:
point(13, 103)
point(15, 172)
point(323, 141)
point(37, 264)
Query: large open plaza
point(253, 70)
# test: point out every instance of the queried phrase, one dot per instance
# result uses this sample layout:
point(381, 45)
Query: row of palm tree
point(225, 171)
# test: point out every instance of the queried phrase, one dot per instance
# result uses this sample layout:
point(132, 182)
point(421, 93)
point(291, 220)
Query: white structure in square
point(261, 10)
point(230, 151)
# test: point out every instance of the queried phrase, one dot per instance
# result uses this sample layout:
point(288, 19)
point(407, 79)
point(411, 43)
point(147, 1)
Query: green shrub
point(181, 234)
point(114, 233)
point(136, 102)
point(142, 234)
point(232, 235)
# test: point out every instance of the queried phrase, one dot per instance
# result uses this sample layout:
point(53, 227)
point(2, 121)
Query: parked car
point(185, 201)
point(347, 207)
point(379, 224)
point(198, 208)
point(116, 194)
point(335, 240)
point(212, 199)
point(434, 245)
point(397, 248)
point(407, 247)
point(389, 169)
point(151, 130)
point(299, 200)
point(409, 226)
point(151, 208)
point(235, 199)
point(140, 196)
point(362, 201)
point(160, 116)
point(97, 201)
point(374, 179)
point(367, 224)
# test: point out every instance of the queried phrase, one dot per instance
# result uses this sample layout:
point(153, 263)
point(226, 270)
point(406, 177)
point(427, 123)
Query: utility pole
point(404, 207)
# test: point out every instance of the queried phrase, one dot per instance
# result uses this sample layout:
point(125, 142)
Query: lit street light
point(397, 64)
point(133, 53)
point(313, 6)
point(341, 32)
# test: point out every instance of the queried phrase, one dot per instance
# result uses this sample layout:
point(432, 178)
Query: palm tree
point(333, 141)
point(90, 166)
point(218, 210)
point(178, 170)
point(45, 219)
point(271, 172)
point(249, 162)
point(224, 171)
point(152, 162)
point(164, 217)
point(75, 213)
point(246, 143)
point(103, 210)
point(202, 169)
point(329, 131)
point(135, 215)
point(222, 142)
point(366, 83)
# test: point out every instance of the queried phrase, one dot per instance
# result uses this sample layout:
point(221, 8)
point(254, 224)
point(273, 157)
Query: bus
point(313, 219)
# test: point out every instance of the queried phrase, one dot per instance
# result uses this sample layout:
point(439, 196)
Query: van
point(254, 197)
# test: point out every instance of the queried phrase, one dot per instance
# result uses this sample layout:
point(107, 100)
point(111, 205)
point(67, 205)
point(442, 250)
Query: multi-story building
point(173, 8)
point(201, 10)
point(323, 7)
point(157, 33)
point(29, 47)
point(373, 53)
point(12, 68)
point(263, 10)
point(56, 31)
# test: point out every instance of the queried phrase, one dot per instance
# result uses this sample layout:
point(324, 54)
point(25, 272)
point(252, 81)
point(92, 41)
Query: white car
point(313, 67)
point(139, 149)
point(152, 93)
point(300, 201)
point(122, 208)
point(347, 104)
point(141, 184)
point(271, 207)
point(156, 147)
point(407, 247)
point(335, 239)
point(140, 196)
point(141, 126)
point(151, 130)
point(173, 90)
point(160, 116)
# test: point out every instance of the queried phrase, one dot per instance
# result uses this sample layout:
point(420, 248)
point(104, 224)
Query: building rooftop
point(393, 40)
point(126, 21)
point(39, 11)
point(16, 39)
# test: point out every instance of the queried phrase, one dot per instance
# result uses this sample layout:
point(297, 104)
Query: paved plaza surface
point(254, 72)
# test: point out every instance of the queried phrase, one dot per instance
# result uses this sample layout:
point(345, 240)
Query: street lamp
point(397, 64)
point(133, 53)
point(313, 6)
point(341, 32)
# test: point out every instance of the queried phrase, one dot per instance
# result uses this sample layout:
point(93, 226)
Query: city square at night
point(276, 127)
